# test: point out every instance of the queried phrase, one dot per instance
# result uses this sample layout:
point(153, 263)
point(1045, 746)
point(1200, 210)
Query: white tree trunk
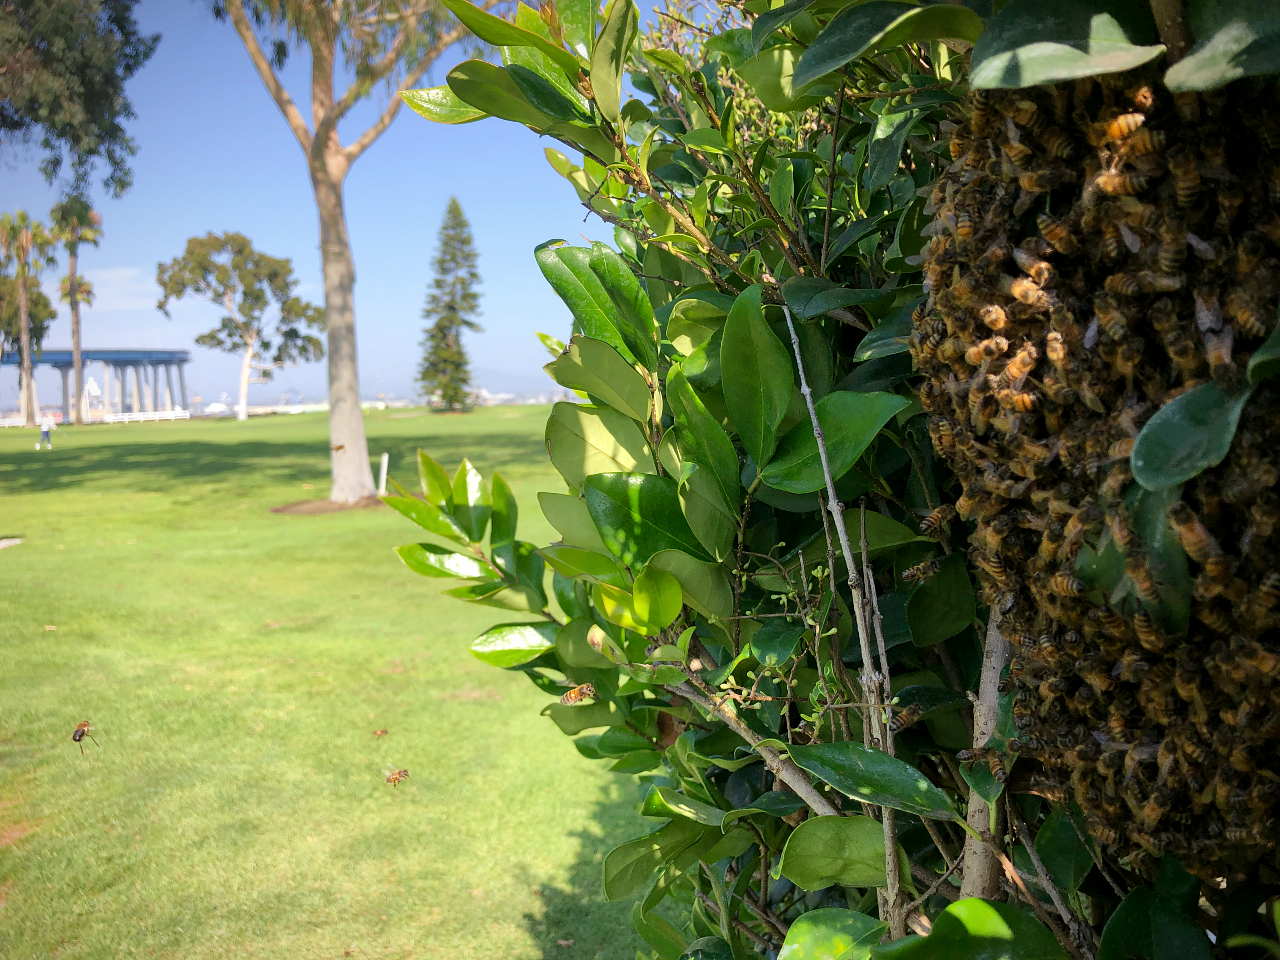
point(981, 867)
point(246, 368)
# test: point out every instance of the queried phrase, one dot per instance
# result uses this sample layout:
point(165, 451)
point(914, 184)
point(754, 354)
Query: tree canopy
point(66, 64)
point(40, 314)
point(452, 305)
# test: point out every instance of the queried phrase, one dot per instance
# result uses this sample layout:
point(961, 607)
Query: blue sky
point(216, 155)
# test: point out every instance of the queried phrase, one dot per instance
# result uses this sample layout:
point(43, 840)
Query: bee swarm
point(1098, 248)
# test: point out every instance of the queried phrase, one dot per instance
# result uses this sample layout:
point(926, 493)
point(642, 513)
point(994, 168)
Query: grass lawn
point(234, 664)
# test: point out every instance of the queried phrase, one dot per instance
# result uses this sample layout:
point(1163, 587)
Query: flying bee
point(380, 733)
point(82, 731)
point(579, 693)
point(1058, 233)
point(1121, 184)
point(1109, 316)
point(921, 571)
point(1186, 173)
point(994, 317)
point(396, 776)
point(1065, 585)
point(906, 717)
point(1240, 307)
point(985, 351)
point(931, 526)
point(1196, 539)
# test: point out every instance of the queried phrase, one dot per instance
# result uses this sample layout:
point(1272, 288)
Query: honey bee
point(1019, 367)
point(1173, 243)
point(1023, 402)
point(931, 526)
point(1249, 253)
point(1025, 291)
point(1186, 173)
point(1182, 351)
point(1118, 523)
point(1142, 142)
point(582, 691)
point(1122, 285)
point(1217, 348)
point(1149, 635)
point(82, 731)
point(380, 733)
point(921, 571)
point(994, 317)
point(906, 717)
point(1057, 144)
point(1268, 593)
point(1058, 233)
point(1239, 306)
point(1065, 585)
point(1121, 184)
point(1122, 126)
point(1017, 152)
point(995, 762)
point(1109, 317)
point(1195, 537)
point(1038, 270)
point(395, 777)
point(986, 351)
point(1105, 835)
point(1136, 566)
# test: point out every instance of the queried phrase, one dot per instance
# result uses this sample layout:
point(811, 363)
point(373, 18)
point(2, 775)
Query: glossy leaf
point(575, 562)
point(1265, 361)
point(943, 605)
point(490, 88)
point(617, 606)
point(1149, 927)
point(578, 20)
point(629, 868)
point(771, 75)
point(1232, 40)
point(659, 933)
point(809, 297)
point(631, 305)
point(850, 421)
point(570, 517)
point(775, 642)
point(870, 27)
point(775, 803)
point(1032, 42)
point(609, 56)
point(709, 518)
point(873, 776)
point(827, 850)
point(573, 720)
point(656, 596)
point(471, 504)
point(595, 367)
point(436, 488)
point(568, 270)
point(503, 33)
point(441, 105)
point(543, 95)
point(832, 933)
point(694, 319)
point(513, 644)
point(708, 948)
point(884, 150)
point(857, 231)
point(665, 802)
point(1065, 857)
point(506, 513)
point(573, 649)
point(638, 516)
point(701, 438)
point(433, 561)
point(584, 440)
point(755, 376)
point(978, 930)
point(770, 21)
point(704, 585)
point(428, 517)
point(1187, 436)
point(887, 338)
point(500, 594)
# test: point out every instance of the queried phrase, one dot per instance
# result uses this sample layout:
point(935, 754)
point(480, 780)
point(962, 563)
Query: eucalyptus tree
point(386, 44)
point(27, 246)
point(227, 271)
point(66, 64)
point(74, 223)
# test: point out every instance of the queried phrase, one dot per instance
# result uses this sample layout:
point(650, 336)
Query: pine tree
point(452, 304)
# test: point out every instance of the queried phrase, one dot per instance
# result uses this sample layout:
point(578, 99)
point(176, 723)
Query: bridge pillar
point(182, 385)
point(168, 382)
point(66, 395)
point(137, 387)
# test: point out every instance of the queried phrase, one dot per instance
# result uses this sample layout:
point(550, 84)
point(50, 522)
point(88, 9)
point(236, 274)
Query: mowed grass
point(234, 664)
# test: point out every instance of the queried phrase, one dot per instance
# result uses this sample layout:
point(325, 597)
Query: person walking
point(47, 426)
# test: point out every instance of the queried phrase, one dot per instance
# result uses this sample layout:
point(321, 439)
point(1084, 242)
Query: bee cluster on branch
point(1099, 248)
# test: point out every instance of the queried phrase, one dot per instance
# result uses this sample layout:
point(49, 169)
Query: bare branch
point(235, 9)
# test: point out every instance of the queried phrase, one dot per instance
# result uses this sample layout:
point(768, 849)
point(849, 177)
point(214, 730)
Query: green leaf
point(701, 438)
point(433, 561)
point(575, 562)
point(570, 517)
point(505, 513)
point(1148, 926)
point(597, 368)
point(858, 230)
point(849, 421)
point(1065, 857)
point(490, 88)
point(617, 606)
point(609, 58)
point(659, 933)
point(665, 802)
point(871, 27)
point(667, 60)
point(782, 187)
point(428, 517)
point(503, 33)
point(887, 338)
point(708, 948)
point(927, 696)
point(500, 594)
point(436, 488)
point(542, 94)
point(809, 297)
point(873, 776)
point(775, 803)
point(943, 605)
point(770, 21)
point(770, 74)
point(827, 850)
point(656, 596)
point(584, 440)
point(1265, 361)
point(983, 782)
point(1166, 557)
point(441, 105)
point(884, 152)
point(1179, 887)
point(704, 585)
point(568, 270)
point(775, 642)
point(471, 506)
point(978, 930)
point(631, 305)
point(1187, 436)
point(578, 20)
point(705, 139)
point(694, 319)
point(620, 741)
point(574, 650)
point(638, 516)
point(832, 933)
point(1032, 42)
point(755, 375)
point(629, 867)
point(573, 720)
point(513, 644)
point(1232, 40)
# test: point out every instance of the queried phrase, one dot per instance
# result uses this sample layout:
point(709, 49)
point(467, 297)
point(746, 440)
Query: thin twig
point(1097, 860)
point(938, 842)
point(1012, 874)
point(738, 924)
point(933, 888)
point(831, 182)
point(1042, 875)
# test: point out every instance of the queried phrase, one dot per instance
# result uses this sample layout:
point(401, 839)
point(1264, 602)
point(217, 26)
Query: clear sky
point(214, 154)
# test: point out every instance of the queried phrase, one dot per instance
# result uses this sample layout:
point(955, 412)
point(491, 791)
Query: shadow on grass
point(598, 930)
point(155, 466)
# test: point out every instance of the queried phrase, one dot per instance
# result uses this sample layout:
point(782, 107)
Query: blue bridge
point(148, 395)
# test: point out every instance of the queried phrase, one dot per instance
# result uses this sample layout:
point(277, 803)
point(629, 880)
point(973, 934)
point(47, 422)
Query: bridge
point(149, 394)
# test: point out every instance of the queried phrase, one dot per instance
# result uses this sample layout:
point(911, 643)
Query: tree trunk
point(246, 369)
point(77, 416)
point(981, 867)
point(352, 476)
point(24, 340)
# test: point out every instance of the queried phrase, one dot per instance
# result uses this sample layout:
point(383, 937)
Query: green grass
point(234, 664)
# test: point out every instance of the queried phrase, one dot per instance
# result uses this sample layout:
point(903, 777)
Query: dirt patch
point(311, 508)
point(395, 666)
point(488, 693)
point(11, 833)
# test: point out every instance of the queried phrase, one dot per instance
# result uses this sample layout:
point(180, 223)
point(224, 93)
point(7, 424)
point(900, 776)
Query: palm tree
point(27, 246)
point(75, 222)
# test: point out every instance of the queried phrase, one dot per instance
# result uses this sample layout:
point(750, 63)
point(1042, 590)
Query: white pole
point(382, 475)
